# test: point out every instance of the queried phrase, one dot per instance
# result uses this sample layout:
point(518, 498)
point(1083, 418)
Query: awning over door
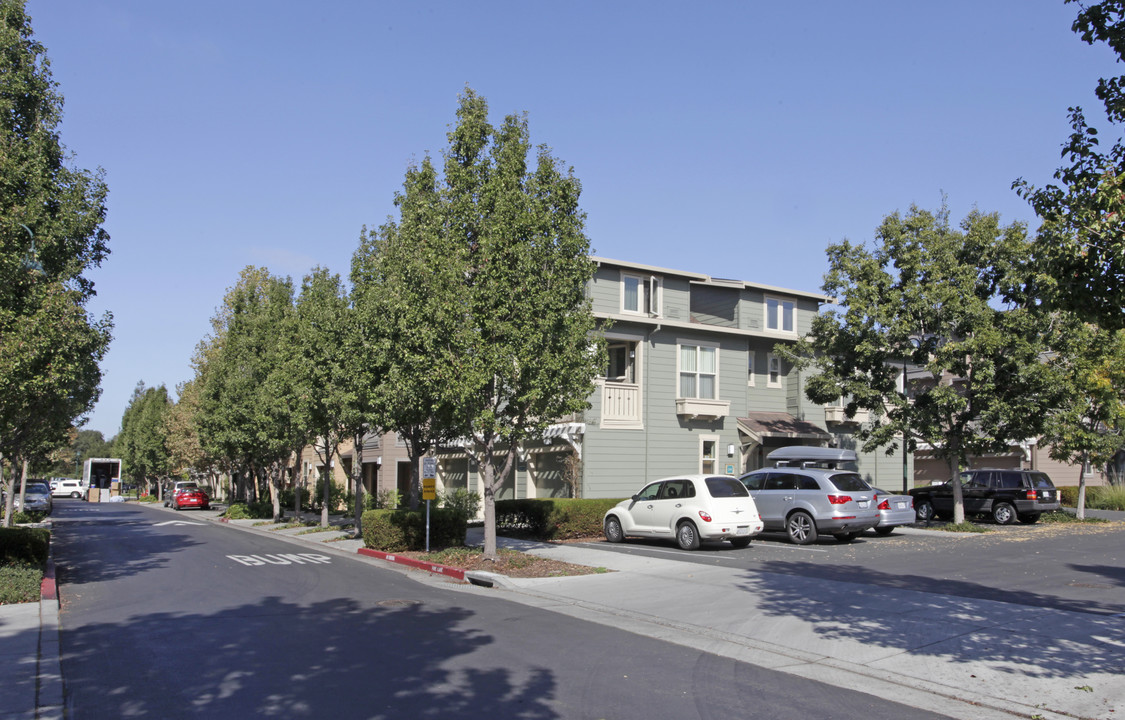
point(757, 427)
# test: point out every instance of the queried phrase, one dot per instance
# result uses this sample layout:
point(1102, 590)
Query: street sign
point(429, 489)
point(429, 468)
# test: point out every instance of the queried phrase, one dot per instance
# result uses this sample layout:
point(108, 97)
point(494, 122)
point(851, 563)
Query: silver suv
point(806, 495)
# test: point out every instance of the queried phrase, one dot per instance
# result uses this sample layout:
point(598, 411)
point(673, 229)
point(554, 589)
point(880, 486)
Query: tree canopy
point(1079, 252)
point(930, 296)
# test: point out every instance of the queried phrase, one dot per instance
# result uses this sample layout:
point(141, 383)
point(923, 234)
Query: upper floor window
point(699, 371)
point(781, 315)
point(750, 369)
point(640, 294)
point(774, 371)
point(622, 361)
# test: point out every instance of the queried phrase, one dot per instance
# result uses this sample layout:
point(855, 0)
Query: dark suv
point(1006, 494)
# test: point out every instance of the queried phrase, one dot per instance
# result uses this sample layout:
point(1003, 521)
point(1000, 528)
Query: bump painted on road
point(282, 559)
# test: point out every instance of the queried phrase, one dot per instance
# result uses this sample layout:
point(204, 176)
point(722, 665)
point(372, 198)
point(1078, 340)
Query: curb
point(49, 681)
point(445, 570)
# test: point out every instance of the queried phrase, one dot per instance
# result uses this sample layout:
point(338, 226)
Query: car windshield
point(37, 490)
point(848, 482)
point(722, 486)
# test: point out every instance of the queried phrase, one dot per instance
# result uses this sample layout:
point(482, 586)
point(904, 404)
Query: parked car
point(895, 510)
point(688, 508)
point(64, 487)
point(1007, 494)
point(807, 494)
point(191, 496)
point(37, 497)
point(171, 490)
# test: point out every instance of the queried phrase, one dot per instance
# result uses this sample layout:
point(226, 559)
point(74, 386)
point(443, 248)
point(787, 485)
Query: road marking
point(282, 559)
point(178, 522)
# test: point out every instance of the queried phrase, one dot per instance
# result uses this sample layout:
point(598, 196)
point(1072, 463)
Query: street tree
point(1079, 259)
point(322, 373)
point(529, 351)
point(141, 444)
point(181, 434)
point(51, 232)
point(1086, 426)
point(407, 289)
point(247, 411)
point(931, 296)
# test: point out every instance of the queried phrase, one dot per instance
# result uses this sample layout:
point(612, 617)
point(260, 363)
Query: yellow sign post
point(429, 490)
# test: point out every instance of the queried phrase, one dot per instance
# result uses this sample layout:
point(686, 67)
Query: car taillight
point(704, 516)
point(1031, 495)
point(885, 505)
point(839, 499)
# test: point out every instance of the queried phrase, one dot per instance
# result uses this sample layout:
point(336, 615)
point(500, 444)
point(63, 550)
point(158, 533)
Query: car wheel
point(613, 531)
point(846, 537)
point(76, 495)
point(924, 510)
point(801, 528)
point(1003, 513)
point(1029, 519)
point(740, 542)
point(175, 506)
point(687, 537)
point(885, 529)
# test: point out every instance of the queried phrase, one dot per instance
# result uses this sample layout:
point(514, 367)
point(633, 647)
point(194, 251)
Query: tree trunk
point(958, 496)
point(329, 452)
point(357, 480)
point(9, 500)
point(23, 484)
point(1081, 510)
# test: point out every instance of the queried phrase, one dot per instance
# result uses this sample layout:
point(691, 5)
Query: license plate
point(900, 505)
point(863, 503)
point(742, 530)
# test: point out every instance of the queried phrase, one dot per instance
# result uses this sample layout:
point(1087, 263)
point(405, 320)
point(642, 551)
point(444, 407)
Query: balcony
point(837, 415)
point(698, 408)
point(621, 405)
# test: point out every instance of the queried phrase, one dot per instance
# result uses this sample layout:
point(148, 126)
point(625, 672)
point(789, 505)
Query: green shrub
point(337, 497)
point(20, 517)
point(388, 500)
point(24, 545)
point(553, 519)
point(461, 500)
point(261, 510)
point(1097, 497)
point(401, 530)
point(20, 582)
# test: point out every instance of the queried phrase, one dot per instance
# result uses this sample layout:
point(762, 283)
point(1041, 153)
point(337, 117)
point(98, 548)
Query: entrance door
point(404, 483)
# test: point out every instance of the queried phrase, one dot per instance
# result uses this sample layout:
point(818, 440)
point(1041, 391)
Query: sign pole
point(429, 490)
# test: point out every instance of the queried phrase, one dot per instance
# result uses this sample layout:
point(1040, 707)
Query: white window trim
point(681, 343)
point(650, 301)
point(717, 460)
point(770, 382)
point(782, 301)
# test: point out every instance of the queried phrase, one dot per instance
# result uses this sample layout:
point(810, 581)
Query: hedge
point(1098, 497)
point(29, 545)
point(401, 530)
point(553, 518)
point(23, 556)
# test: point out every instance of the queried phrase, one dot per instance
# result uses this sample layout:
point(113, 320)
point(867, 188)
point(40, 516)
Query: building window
point(781, 315)
point(640, 295)
point(699, 371)
point(708, 454)
point(750, 369)
point(622, 361)
point(774, 371)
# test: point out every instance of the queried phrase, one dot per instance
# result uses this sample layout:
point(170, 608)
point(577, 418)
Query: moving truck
point(101, 473)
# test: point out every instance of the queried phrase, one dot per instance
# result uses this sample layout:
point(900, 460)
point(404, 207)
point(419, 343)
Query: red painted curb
point(455, 573)
point(48, 590)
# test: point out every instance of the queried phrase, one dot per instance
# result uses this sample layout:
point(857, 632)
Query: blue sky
point(737, 139)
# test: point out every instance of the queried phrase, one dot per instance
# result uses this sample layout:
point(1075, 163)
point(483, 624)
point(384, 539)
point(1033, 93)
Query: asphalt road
point(164, 616)
point(1065, 566)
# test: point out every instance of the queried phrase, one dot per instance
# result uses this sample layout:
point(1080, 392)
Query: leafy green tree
point(407, 289)
point(1087, 424)
point(1080, 246)
point(323, 371)
point(51, 231)
point(141, 444)
point(931, 295)
point(248, 413)
point(530, 353)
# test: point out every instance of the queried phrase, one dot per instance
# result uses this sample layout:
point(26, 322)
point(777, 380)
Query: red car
point(190, 497)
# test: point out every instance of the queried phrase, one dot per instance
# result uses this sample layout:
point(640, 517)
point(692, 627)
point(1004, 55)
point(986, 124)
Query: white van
point(68, 488)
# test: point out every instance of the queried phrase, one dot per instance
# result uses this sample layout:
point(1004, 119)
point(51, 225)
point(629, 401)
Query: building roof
point(759, 425)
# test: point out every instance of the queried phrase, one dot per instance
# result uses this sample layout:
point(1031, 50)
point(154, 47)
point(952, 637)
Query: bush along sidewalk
point(1097, 497)
point(23, 561)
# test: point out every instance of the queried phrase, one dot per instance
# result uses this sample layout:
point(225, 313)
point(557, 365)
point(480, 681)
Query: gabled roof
point(700, 279)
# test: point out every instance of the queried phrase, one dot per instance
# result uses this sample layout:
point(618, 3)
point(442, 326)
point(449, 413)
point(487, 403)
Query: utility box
point(101, 474)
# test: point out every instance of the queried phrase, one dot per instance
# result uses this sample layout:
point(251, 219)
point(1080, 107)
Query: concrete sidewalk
point(965, 658)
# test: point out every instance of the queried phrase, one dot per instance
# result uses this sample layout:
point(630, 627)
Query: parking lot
point(1077, 567)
